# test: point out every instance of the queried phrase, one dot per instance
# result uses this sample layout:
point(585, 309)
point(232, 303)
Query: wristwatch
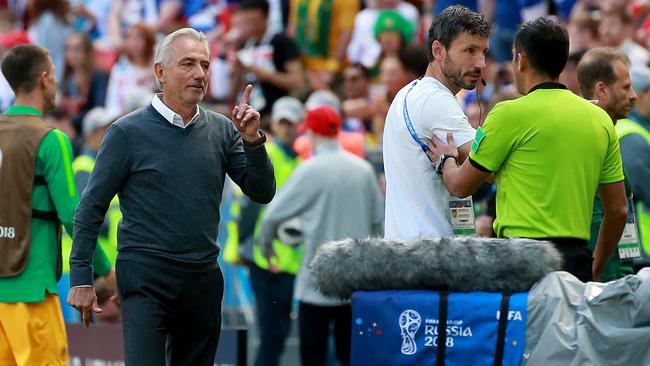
point(441, 162)
point(258, 142)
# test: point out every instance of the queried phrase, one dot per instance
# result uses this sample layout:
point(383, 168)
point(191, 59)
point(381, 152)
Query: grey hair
point(164, 48)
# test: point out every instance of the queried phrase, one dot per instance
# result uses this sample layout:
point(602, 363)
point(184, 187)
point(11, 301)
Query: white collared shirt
point(171, 116)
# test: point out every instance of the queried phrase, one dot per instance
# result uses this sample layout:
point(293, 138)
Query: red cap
point(14, 38)
point(323, 120)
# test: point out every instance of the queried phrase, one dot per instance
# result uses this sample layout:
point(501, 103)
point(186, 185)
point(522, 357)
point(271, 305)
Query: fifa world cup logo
point(409, 323)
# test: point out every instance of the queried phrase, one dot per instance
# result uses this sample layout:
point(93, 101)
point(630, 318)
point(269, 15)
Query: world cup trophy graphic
point(409, 323)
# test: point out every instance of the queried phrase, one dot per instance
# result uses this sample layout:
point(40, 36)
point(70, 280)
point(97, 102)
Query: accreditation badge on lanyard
point(629, 247)
point(461, 210)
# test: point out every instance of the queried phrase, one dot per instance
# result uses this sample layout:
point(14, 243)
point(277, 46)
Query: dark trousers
point(576, 255)
point(169, 317)
point(273, 297)
point(315, 329)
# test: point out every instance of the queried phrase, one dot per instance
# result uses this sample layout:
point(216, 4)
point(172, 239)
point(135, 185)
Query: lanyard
point(409, 124)
point(461, 211)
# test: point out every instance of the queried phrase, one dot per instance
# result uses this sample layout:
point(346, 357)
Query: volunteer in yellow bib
point(272, 281)
point(93, 128)
point(634, 135)
point(604, 77)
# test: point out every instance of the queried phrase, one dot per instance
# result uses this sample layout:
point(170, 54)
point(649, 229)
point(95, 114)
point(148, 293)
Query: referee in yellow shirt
point(550, 151)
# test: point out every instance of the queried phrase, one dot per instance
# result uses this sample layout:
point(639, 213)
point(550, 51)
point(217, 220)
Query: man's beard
point(454, 75)
point(621, 112)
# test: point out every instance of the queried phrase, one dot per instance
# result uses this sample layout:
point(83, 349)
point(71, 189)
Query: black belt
point(45, 215)
point(566, 242)
point(39, 180)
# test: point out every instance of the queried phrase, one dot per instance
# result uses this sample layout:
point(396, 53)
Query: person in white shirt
point(417, 203)
point(133, 71)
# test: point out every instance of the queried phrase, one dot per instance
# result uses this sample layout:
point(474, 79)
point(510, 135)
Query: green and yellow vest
point(107, 241)
point(288, 258)
point(626, 127)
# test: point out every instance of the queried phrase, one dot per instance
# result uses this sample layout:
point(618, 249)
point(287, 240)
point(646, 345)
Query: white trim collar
point(171, 116)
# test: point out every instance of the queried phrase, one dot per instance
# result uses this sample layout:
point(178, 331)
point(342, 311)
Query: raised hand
point(246, 118)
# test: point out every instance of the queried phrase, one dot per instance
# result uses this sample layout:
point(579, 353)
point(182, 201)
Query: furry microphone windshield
point(457, 264)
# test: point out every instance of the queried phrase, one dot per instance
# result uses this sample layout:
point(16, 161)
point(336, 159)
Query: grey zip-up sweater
point(169, 181)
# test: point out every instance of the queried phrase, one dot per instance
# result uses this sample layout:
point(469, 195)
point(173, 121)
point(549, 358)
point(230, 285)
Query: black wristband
point(258, 142)
point(442, 159)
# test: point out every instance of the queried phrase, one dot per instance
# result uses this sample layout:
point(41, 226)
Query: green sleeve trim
point(23, 109)
point(480, 135)
point(613, 180)
point(67, 158)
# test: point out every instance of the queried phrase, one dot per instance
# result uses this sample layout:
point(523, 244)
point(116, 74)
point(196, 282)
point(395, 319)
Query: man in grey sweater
point(167, 163)
point(334, 195)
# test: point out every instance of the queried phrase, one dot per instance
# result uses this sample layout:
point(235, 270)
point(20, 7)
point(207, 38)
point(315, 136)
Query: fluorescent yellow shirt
point(549, 150)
